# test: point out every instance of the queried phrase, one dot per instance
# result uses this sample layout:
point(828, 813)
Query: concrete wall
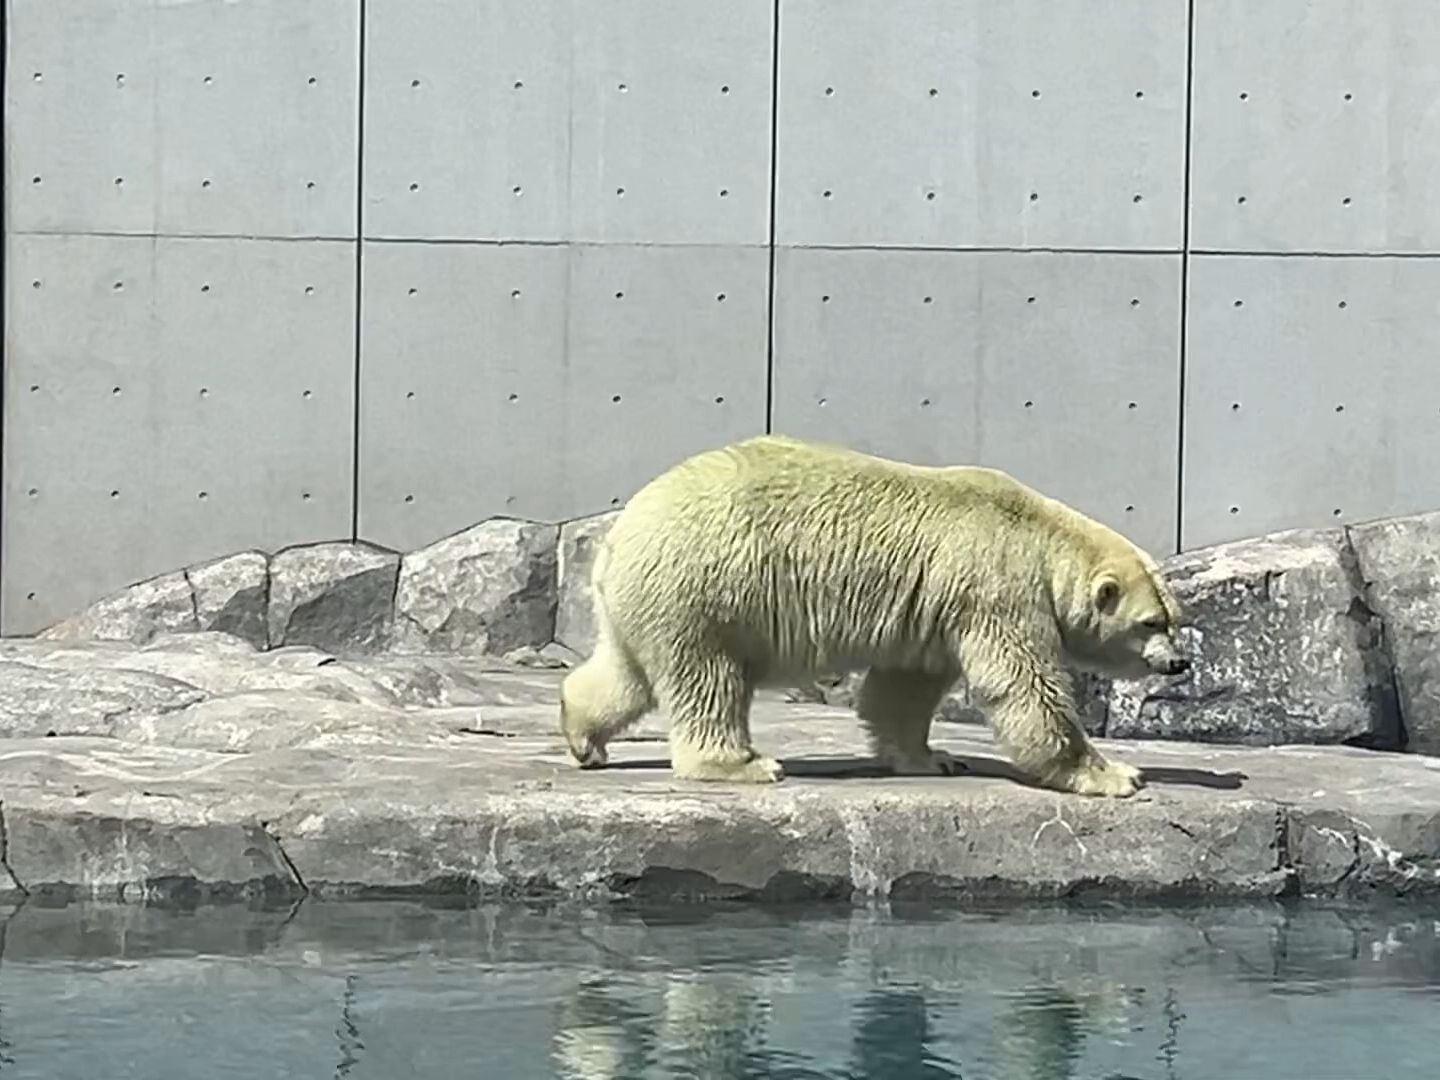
point(290, 270)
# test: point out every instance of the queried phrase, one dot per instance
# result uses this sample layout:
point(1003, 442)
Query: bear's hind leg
point(1032, 712)
point(896, 708)
point(600, 699)
point(709, 709)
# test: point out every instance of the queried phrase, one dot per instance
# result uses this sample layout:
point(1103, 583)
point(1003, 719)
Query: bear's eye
point(1155, 625)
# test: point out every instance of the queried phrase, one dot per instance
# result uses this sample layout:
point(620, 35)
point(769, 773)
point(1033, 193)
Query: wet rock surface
point(199, 766)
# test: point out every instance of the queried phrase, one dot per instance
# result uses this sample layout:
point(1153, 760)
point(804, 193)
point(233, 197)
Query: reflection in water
point(599, 1037)
point(719, 994)
point(892, 1038)
point(346, 1031)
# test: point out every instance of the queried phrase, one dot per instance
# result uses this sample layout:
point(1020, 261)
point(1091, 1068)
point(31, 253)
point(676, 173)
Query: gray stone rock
point(135, 614)
point(40, 702)
point(222, 796)
point(232, 595)
point(1285, 651)
point(257, 720)
point(574, 617)
point(336, 596)
point(153, 853)
point(487, 590)
point(1399, 560)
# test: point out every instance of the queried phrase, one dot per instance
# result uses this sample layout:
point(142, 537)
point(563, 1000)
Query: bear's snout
point(1177, 665)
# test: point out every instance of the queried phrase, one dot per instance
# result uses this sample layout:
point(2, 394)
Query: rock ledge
point(199, 767)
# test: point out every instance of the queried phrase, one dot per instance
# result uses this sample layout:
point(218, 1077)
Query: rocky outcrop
point(489, 589)
point(1399, 562)
point(574, 617)
point(1318, 637)
point(198, 766)
point(1286, 651)
point(161, 605)
point(334, 596)
point(232, 595)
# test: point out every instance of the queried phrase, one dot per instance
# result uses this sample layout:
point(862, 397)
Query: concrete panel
point(560, 120)
point(1312, 393)
point(1061, 369)
point(545, 381)
point(211, 119)
point(1329, 143)
point(1032, 123)
point(169, 401)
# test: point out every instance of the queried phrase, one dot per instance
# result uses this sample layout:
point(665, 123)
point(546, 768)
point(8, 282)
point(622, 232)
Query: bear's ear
point(1106, 592)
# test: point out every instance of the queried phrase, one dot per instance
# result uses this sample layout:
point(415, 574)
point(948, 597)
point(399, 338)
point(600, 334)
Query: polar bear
point(767, 561)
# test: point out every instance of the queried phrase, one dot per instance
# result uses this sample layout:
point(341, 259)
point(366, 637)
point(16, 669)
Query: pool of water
point(395, 990)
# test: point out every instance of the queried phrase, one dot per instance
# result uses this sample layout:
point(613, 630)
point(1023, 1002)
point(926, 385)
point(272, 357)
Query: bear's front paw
point(587, 752)
point(928, 763)
point(1111, 779)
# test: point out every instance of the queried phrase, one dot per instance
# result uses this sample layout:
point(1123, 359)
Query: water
point(396, 990)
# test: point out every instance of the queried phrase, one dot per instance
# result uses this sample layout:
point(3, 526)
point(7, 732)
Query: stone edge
point(785, 854)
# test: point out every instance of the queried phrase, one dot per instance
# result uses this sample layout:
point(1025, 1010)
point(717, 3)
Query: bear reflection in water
point(713, 1027)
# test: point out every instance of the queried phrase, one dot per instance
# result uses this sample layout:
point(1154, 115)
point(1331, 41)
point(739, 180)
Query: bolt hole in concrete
point(1049, 991)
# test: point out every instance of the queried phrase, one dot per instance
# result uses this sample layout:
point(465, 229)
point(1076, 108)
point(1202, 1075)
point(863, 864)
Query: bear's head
point(1130, 625)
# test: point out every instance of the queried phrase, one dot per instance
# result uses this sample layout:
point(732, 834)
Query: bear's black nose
point(1178, 666)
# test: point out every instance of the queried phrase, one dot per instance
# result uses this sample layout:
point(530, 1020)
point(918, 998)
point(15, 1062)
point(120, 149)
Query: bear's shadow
point(856, 768)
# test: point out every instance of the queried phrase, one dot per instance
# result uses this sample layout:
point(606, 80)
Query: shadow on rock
point(1206, 778)
point(974, 765)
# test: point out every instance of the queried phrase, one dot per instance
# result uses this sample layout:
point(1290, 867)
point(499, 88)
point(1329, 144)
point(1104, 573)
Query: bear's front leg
point(897, 708)
point(710, 726)
point(1032, 712)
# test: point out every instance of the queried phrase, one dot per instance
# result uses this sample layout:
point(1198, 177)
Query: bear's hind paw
point(758, 770)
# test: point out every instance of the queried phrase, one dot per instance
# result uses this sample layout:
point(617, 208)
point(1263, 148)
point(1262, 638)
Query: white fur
point(773, 559)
